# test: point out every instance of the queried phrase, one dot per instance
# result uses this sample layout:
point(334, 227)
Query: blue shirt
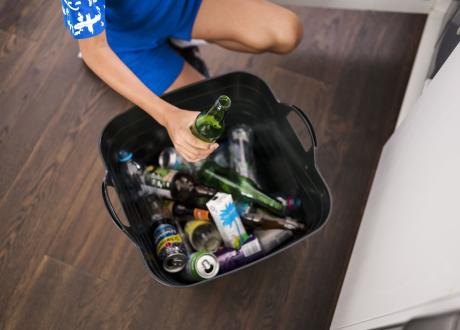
point(84, 18)
point(138, 32)
point(131, 25)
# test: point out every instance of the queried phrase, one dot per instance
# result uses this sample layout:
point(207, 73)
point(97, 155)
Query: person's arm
point(100, 58)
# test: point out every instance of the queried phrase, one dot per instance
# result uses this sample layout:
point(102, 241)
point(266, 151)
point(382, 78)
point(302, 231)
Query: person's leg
point(243, 25)
point(187, 76)
point(248, 25)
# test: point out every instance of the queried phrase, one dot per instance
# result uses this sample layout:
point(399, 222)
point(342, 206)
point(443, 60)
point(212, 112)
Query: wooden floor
point(64, 265)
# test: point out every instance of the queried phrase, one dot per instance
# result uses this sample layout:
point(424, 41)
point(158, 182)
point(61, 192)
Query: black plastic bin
point(285, 145)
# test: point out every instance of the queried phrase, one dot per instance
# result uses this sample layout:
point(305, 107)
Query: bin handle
point(308, 123)
point(108, 182)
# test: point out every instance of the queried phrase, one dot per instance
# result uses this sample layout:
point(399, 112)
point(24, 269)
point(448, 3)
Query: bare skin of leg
point(251, 26)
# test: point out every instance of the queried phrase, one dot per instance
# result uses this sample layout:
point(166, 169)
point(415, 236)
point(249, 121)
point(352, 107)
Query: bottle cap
point(124, 156)
point(242, 207)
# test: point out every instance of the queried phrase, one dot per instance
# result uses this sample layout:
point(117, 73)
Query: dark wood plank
point(57, 296)
point(11, 49)
point(34, 208)
point(32, 89)
point(87, 239)
point(348, 75)
point(32, 19)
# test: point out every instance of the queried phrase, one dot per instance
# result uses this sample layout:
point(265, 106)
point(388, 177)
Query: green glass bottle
point(209, 125)
point(227, 180)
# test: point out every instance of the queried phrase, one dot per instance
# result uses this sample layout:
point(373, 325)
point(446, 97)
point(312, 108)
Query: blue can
point(169, 247)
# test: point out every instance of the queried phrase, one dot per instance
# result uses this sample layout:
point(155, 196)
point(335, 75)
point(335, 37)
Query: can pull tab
point(207, 266)
point(173, 262)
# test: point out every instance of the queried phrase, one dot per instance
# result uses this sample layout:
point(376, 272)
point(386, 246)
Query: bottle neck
point(218, 112)
point(220, 108)
point(204, 191)
point(180, 209)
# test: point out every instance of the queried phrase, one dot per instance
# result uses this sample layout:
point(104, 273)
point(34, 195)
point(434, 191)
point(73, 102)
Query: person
point(126, 43)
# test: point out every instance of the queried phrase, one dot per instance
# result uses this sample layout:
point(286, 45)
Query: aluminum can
point(169, 247)
point(201, 265)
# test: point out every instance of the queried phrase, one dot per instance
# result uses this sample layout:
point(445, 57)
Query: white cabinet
point(410, 6)
point(406, 259)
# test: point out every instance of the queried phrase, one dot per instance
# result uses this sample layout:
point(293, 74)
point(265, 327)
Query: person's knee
point(287, 34)
point(279, 36)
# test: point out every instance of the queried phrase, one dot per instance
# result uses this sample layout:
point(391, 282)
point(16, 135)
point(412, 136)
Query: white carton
point(227, 220)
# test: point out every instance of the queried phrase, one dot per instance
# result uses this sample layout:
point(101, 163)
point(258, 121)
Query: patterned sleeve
point(84, 18)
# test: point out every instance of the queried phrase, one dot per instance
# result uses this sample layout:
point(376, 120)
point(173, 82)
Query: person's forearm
point(106, 64)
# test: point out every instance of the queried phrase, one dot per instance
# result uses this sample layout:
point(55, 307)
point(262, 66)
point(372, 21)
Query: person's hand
point(177, 123)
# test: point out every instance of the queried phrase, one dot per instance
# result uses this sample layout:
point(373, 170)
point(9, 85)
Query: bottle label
point(241, 152)
point(251, 247)
point(192, 225)
point(148, 190)
point(201, 214)
point(160, 178)
point(166, 174)
point(167, 242)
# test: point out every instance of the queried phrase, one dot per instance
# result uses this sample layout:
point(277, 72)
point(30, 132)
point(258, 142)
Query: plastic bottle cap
point(124, 156)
